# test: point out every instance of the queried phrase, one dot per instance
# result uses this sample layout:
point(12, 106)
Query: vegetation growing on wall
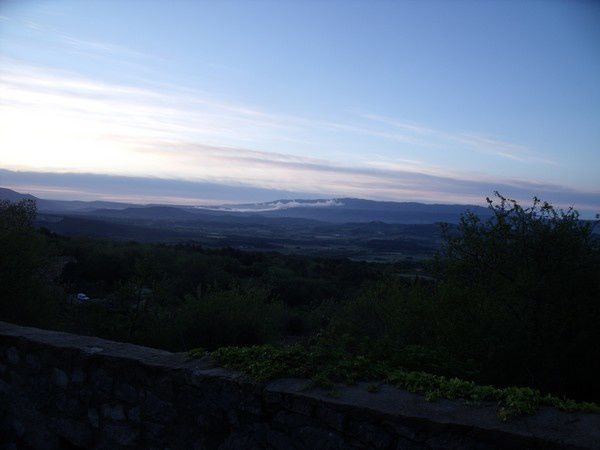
point(326, 366)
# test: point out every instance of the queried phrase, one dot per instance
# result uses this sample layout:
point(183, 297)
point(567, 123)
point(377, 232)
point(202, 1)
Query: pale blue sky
point(431, 101)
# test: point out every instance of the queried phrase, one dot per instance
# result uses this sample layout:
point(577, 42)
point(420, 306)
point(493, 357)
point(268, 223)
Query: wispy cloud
point(276, 205)
point(69, 108)
point(357, 182)
point(89, 186)
point(69, 42)
point(54, 121)
point(484, 144)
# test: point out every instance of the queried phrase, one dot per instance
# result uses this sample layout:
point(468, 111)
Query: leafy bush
point(395, 322)
point(520, 294)
point(232, 317)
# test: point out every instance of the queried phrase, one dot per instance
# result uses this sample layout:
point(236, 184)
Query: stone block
point(101, 381)
point(32, 361)
point(286, 421)
point(212, 424)
point(73, 431)
point(252, 406)
point(93, 417)
point(16, 379)
point(134, 414)
point(162, 388)
point(299, 405)
point(12, 355)
point(272, 398)
point(78, 375)
point(67, 405)
point(331, 417)
point(158, 410)
point(280, 441)
point(318, 438)
point(60, 378)
point(113, 412)
point(407, 444)
point(375, 437)
point(154, 432)
point(18, 427)
point(122, 434)
point(126, 392)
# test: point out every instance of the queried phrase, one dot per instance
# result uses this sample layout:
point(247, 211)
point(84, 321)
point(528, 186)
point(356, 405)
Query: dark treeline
point(512, 300)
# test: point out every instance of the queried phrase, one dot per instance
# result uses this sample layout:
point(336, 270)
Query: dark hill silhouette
point(46, 205)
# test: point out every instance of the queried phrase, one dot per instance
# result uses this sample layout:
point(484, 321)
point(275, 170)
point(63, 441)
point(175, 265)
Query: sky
point(221, 102)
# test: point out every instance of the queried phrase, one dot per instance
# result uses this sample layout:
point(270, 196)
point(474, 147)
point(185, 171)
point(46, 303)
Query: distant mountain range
point(346, 210)
point(339, 210)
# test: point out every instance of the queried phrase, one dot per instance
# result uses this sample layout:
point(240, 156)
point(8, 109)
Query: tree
point(17, 216)
point(521, 293)
point(24, 257)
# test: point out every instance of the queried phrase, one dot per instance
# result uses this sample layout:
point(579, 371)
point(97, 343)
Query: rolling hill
point(340, 210)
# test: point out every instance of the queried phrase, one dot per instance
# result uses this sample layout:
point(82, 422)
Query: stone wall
point(59, 390)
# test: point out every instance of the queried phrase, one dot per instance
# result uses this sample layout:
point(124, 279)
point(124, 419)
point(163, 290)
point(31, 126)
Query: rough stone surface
point(12, 355)
point(93, 417)
point(59, 390)
point(113, 412)
point(78, 375)
point(61, 379)
point(126, 393)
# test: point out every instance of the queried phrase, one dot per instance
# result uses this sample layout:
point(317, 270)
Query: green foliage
point(520, 294)
point(201, 297)
point(373, 388)
point(26, 267)
point(232, 317)
point(323, 363)
point(397, 322)
point(324, 368)
point(17, 216)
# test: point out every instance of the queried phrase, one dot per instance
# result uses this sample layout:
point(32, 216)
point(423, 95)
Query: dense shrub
point(232, 317)
point(520, 294)
point(398, 323)
point(26, 267)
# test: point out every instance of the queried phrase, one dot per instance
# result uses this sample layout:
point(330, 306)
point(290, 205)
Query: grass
point(326, 366)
